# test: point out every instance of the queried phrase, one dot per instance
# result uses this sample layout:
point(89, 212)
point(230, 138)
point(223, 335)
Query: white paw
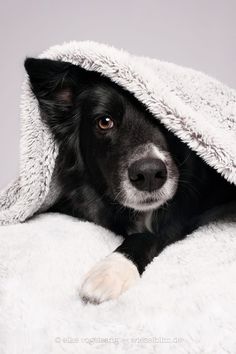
point(108, 279)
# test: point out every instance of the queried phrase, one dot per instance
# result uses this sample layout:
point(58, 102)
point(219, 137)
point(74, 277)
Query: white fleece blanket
point(184, 303)
point(186, 299)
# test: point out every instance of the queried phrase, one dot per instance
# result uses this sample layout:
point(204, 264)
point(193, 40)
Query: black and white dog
point(120, 168)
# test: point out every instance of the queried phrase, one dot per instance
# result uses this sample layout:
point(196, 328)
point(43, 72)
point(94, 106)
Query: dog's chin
point(144, 206)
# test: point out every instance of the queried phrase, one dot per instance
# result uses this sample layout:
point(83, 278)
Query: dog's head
point(105, 133)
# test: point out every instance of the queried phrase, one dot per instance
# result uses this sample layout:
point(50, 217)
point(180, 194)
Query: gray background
point(196, 33)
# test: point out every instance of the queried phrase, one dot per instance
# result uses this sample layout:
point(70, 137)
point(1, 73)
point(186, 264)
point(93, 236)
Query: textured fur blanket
point(186, 296)
point(184, 303)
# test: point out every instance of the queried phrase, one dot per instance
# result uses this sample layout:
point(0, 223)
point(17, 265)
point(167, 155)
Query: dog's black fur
point(92, 162)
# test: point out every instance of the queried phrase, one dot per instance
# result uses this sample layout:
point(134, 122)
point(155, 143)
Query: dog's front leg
point(120, 270)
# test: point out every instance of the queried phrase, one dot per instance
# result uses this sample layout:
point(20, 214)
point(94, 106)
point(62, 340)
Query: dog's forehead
point(107, 90)
point(106, 97)
point(104, 91)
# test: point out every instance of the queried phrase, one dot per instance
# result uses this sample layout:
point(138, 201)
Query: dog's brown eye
point(105, 123)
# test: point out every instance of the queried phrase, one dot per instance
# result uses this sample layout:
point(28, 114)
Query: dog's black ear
point(54, 83)
point(51, 80)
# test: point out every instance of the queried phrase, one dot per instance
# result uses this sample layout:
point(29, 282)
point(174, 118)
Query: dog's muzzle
point(148, 174)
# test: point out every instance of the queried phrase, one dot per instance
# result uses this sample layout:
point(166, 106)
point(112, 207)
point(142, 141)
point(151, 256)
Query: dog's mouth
point(149, 183)
point(145, 201)
point(148, 180)
point(144, 205)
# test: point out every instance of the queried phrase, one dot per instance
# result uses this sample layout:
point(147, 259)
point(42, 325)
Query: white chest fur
point(142, 223)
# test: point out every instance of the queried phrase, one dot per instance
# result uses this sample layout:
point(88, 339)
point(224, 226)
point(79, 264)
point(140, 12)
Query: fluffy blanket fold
point(185, 301)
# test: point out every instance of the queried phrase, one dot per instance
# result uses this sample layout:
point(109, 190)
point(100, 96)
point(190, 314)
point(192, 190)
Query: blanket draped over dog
point(198, 109)
point(185, 301)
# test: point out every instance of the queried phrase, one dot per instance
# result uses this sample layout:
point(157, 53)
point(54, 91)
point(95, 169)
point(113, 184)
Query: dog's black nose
point(148, 174)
